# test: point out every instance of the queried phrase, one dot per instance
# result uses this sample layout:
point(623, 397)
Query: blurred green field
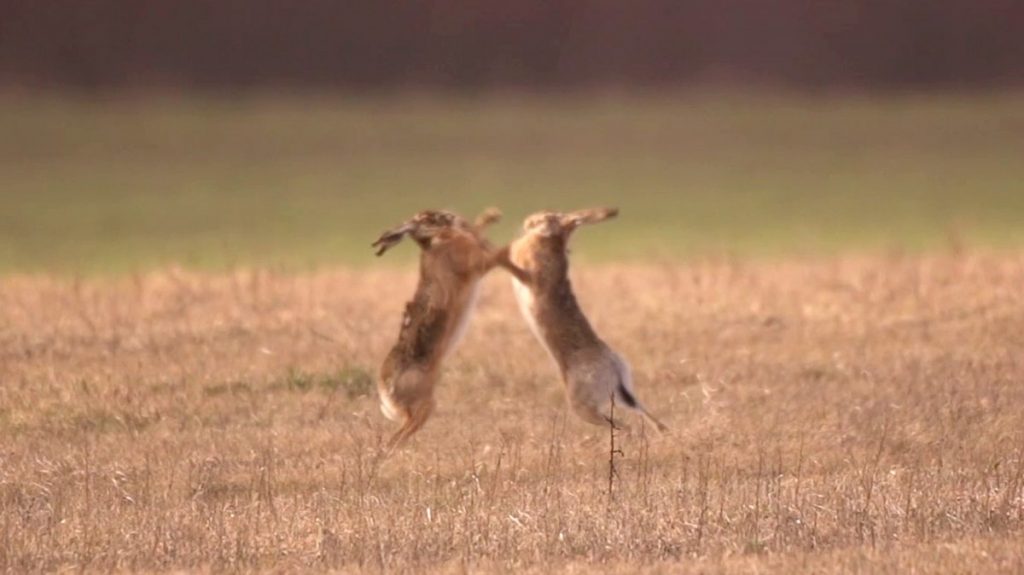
point(120, 184)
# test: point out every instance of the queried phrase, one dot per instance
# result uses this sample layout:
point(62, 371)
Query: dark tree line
point(531, 43)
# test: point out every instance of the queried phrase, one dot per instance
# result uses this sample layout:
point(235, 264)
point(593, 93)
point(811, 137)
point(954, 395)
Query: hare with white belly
point(593, 373)
point(454, 257)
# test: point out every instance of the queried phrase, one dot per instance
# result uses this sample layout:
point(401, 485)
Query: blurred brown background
point(525, 43)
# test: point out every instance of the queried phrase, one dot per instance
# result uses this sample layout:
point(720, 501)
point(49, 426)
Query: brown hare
point(454, 257)
point(592, 371)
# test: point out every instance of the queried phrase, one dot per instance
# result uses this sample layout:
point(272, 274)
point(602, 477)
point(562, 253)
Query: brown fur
point(592, 372)
point(454, 257)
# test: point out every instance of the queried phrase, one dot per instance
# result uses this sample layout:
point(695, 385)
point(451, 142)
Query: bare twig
point(613, 451)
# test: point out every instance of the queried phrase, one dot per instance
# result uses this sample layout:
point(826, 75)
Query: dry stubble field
point(858, 414)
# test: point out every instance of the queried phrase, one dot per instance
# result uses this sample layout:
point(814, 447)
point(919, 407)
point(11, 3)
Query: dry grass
point(847, 415)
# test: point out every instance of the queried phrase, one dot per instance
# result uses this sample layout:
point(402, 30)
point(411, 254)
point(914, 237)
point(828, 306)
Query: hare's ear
point(575, 219)
point(486, 218)
point(388, 239)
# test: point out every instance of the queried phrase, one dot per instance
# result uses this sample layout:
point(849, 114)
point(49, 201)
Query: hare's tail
point(625, 394)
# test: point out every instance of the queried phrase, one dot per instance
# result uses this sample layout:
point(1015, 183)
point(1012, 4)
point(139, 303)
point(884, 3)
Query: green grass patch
point(229, 388)
point(117, 185)
point(354, 382)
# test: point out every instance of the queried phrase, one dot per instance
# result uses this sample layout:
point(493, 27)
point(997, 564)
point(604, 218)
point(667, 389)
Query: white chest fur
point(528, 307)
point(463, 321)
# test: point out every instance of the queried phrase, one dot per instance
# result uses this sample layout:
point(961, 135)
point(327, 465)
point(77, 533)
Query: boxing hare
point(454, 257)
point(592, 371)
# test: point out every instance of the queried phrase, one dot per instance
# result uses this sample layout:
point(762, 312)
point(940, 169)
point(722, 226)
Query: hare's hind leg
point(591, 395)
point(412, 395)
point(600, 415)
point(414, 420)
